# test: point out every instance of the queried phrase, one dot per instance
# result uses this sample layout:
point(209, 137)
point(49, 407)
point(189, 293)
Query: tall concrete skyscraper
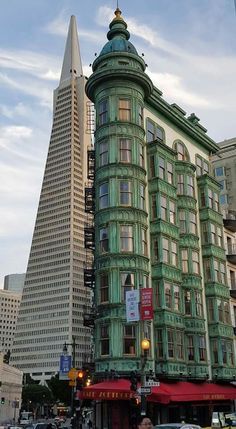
point(54, 296)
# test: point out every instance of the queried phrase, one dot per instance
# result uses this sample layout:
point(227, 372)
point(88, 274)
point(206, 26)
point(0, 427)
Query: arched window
point(182, 152)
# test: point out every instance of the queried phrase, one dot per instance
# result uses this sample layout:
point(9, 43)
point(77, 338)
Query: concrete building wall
point(10, 392)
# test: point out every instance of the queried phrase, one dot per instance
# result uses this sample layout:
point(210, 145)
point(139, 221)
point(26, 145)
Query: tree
point(6, 357)
point(34, 396)
point(60, 389)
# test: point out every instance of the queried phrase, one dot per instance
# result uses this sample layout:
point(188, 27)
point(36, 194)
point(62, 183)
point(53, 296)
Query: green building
point(157, 225)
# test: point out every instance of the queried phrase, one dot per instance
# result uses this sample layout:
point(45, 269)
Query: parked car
point(177, 426)
point(42, 425)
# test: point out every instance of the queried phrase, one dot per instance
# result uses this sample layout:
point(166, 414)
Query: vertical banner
point(65, 366)
point(146, 307)
point(132, 305)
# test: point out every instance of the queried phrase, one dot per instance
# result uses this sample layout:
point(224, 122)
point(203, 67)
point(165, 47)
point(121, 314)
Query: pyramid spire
point(72, 65)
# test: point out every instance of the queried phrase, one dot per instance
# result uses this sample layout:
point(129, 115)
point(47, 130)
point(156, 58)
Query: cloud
point(174, 89)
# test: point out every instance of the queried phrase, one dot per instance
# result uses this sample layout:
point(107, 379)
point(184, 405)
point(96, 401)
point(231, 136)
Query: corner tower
point(117, 87)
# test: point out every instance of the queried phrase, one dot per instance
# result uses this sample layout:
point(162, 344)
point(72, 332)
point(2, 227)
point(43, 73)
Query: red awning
point(108, 390)
point(184, 391)
point(181, 391)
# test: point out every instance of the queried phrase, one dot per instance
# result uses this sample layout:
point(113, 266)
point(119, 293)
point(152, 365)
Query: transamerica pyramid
point(54, 295)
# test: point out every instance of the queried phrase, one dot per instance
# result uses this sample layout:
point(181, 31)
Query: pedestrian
point(90, 424)
point(145, 422)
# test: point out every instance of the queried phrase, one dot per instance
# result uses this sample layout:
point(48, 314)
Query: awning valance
point(181, 391)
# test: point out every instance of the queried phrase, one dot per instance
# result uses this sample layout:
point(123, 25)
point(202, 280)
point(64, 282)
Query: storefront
point(116, 406)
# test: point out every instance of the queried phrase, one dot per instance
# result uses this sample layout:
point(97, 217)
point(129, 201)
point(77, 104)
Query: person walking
point(145, 423)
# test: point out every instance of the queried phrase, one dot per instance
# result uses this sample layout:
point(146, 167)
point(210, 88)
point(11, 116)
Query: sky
point(190, 50)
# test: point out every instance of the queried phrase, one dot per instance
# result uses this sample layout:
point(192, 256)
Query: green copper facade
point(157, 224)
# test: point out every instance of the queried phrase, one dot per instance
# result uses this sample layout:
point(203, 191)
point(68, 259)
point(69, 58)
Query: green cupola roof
point(118, 37)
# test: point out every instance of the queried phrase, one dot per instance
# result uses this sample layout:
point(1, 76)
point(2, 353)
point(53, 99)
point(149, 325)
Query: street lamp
point(145, 346)
point(73, 366)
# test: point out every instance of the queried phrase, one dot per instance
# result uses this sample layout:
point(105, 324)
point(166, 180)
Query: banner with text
point(146, 307)
point(65, 366)
point(132, 305)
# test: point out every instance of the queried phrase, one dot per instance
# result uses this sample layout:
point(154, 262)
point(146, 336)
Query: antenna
point(234, 5)
point(117, 4)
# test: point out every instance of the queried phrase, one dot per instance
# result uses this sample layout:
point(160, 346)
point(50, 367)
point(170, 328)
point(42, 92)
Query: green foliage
point(35, 395)
point(6, 357)
point(60, 389)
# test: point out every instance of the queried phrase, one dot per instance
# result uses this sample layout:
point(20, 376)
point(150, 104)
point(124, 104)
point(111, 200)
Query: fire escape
point(89, 239)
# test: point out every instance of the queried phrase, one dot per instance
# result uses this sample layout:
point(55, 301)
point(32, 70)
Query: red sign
point(146, 307)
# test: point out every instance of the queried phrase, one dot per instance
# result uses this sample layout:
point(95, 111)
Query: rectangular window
point(217, 205)
point(103, 153)
point(217, 272)
point(223, 199)
point(224, 351)
point(154, 206)
point(207, 269)
point(163, 207)
point(167, 289)
point(170, 343)
point(182, 222)
point(103, 112)
point(172, 211)
point(176, 298)
point(199, 166)
point(140, 115)
point(202, 348)
point(103, 239)
point(161, 168)
point(215, 351)
point(213, 233)
point(219, 236)
point(195, 262)
point(220, 310)
point(190, 186)
point(174, 254)
point(152, 166)
point(192, 223)
point(187, 302)
point(155, 251)
point(129, 340)
point(160, 351)
point(203, 198)
point(190, 347)
point(158, 294)
point(165, 250)
point(126, 238)
point(104, 288)
point(198, 304)
point(159, 134)
point(230, 353)
point(104, 335)
point(124, 110)
point(144, 241)
point(210, 305)
point(227, 313)
point(141, 155)
point(204, 228)
point(179, 345)
point(127, 283)
point(170, 173)
point(180, 184)
point(210, 199)
point(150, 131)
point(184, 258)
point(222, 273)
point(103, 195)
point(125, 151)
point(142, 197)
point(219, 171)
point(125, 193)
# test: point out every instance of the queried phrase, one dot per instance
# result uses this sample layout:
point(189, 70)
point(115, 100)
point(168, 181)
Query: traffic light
point(80, 380)
point(2, 400)
point(134, 381)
